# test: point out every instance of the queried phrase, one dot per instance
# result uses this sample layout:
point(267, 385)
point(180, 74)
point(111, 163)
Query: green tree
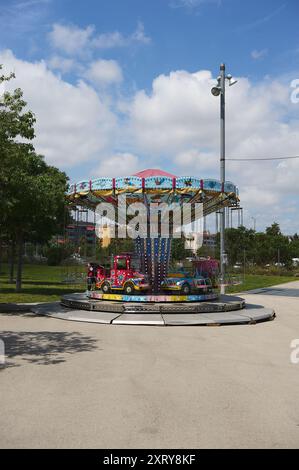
point(31, 192)
point(277, 247)
point(206, 251)
point(15, 124)
point(178, 250)
point(37, 211)
point(237, 241)
point(274, 230)
point(56, 252)
point(119, 245)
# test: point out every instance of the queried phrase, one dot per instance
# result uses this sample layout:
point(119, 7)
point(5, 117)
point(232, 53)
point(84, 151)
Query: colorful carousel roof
point(154, 172)
point(155, 186)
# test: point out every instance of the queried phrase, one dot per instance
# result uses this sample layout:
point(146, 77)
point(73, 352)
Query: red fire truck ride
point(123, 277)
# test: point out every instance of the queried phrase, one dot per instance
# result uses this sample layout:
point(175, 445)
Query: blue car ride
point(185, 284)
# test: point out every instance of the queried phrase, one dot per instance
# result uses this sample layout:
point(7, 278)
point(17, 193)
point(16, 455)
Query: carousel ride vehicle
point(187, 283)
point(122, 277)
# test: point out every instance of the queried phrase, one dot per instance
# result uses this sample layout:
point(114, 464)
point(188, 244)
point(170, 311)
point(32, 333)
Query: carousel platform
point(224, 310)
point(118, 303)
point(152, 298)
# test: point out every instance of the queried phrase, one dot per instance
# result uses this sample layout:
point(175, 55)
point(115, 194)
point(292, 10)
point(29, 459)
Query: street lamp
point(217, 90)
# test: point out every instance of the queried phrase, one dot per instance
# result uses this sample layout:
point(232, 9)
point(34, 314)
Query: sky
point(118, 86)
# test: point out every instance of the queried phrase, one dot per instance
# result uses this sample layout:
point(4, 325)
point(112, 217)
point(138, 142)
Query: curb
point(18, 308)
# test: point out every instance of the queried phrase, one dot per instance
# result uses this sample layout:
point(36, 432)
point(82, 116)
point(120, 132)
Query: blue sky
point(120, 85)
point(187, 35)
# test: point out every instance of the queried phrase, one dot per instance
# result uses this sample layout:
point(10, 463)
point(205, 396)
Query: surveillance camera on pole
point(231, 82)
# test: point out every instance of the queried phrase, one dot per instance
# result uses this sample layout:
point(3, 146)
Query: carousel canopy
point(154, 172)
point(155, 186)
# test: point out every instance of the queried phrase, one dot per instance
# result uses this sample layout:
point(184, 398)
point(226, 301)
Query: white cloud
point(254, 196)
point(117, 39)
point(139, 35)
point(192, 4)
point(77, 41)
point(30, 3)
point(178, 121)
point(73, 123)
point(109, 40)
point(259, 54)
point(174, 126)
point(22, 17)
point(63, 64)
point(104, 72)
point(2, 89)
point(177, 115)
point(120, 164)
point(180, 114)
point(70, 39)
point(260, 21)
point(195, 161)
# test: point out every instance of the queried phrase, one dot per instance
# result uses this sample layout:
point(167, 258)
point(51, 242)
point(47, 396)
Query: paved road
point(71, 384)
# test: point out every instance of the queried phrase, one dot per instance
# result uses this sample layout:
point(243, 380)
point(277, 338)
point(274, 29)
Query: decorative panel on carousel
point(185, 182)
point(128, 182)
point(212, 185)
point(101, 183)
point(158, 182)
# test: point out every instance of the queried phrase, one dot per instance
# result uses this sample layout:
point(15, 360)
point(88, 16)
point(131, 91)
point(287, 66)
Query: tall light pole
point(216, 91)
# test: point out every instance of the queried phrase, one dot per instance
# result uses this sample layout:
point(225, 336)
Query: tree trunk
point(12, 262)
point(20, 244)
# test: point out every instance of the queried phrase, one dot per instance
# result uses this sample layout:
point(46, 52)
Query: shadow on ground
point(250, 305)
point(22, 313)
point(44, 347)
point(280, 291)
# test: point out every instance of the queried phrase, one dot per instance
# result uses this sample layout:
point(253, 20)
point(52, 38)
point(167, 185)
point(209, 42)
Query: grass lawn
point(46, 283)
point(42, 283)
point(257, 281)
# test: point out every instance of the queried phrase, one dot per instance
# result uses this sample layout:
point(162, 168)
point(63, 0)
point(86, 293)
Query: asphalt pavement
point(81, 385)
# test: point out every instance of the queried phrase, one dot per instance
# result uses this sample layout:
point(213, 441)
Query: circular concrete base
point(249, 314)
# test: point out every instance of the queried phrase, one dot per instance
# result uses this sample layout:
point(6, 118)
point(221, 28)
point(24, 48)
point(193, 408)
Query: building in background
point(107, 232)
point(193, 241)
point(74, 233)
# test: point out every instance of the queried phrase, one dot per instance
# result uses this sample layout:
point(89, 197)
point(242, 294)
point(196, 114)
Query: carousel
point(142, 281)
